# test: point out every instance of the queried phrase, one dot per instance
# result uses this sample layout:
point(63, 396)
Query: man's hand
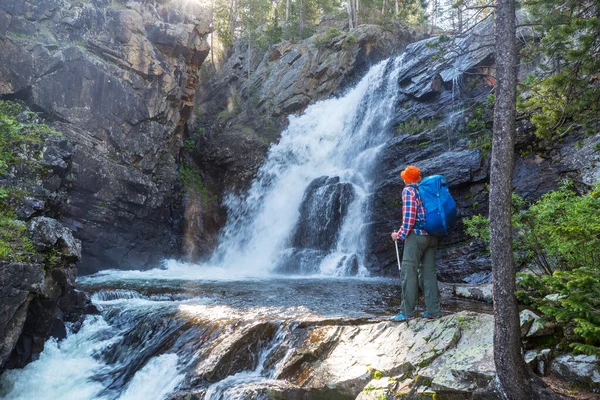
point(394, 236)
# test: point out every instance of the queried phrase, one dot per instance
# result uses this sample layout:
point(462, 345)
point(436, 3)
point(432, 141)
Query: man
point(419, 252)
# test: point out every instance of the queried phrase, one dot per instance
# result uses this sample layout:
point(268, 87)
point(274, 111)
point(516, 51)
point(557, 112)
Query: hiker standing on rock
point(419, 251)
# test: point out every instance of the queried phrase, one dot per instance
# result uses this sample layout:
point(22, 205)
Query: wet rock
point(578, 368)
point(300, 261)
point(236, 352)
point(322, 211)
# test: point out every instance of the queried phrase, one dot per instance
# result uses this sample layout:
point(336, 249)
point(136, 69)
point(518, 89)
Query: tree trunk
point(287, 11)
point(350, 14)
point(516, 380)
point(397, 11)
point(356, 14)
point(233, 18)
point(212, 33)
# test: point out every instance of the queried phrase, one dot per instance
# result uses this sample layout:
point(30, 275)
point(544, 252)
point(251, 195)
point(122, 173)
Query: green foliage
point(560, 235)
point(323, 40)
point(479, 126)
point(564, 93)
point(18, 138)
point(349, 41)
point(192, 181)
point(15, 246)
point(572, 300)
point(190, 142)
point(415, 126)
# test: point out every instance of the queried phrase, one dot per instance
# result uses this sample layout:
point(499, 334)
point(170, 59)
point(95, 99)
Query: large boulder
point(578, 368)
point(119, 78)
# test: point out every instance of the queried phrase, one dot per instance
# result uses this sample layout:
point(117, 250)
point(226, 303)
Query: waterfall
point(304, 212)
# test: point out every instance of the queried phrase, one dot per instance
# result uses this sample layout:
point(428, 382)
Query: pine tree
point(563, 95)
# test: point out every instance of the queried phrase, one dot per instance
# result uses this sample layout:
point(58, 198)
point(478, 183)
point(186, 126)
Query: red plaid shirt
point(412, 210)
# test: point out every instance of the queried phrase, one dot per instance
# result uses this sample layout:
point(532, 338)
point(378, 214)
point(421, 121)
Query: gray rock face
point(119, 79)
point(581, 369)
point(48, 233)
point(436, 135)
point(18, 282)
point(37, 296)
point(322, 211)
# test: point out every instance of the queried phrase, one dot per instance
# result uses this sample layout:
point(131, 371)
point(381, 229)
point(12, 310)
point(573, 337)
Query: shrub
point(558, 238)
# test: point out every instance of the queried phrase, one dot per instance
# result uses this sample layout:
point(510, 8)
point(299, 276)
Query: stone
point(477, 292)
point(322, 211)
point(29, 206)
point(453, 353)
point(377, 389)
point(18, 284)
point(119, 84)
point(539, 328)
point(580, 368)
point(538, 360)
point(47, 233)
point(526, 318)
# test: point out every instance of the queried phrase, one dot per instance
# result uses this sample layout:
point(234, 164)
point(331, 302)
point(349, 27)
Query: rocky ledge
point(316, 358)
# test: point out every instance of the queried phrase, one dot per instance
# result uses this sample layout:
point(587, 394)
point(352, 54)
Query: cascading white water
point(339, 137)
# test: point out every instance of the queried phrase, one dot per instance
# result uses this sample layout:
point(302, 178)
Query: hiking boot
point(400, 318)
point(425, 314)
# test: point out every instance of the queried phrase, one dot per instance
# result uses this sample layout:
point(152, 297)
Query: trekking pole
point(400, 269)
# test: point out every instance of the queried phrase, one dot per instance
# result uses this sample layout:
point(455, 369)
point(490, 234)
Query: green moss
point(415, 126)
point(323, 40)
point(349, 42)
point(190, 142)
point(192, 181)
point(15, 246)
point(20, 142)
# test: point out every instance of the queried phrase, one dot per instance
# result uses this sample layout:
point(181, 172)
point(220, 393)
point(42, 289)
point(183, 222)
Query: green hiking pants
point(419, 256)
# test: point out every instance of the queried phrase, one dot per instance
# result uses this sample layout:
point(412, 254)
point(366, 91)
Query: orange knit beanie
point(411, 174)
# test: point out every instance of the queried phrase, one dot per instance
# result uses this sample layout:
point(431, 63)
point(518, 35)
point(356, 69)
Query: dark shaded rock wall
point(118, 78)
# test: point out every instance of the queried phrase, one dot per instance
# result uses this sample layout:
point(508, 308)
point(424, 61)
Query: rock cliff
point(118, 79)
point(38, 255)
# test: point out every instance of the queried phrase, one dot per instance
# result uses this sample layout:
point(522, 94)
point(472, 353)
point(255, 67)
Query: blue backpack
point(440, 207)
